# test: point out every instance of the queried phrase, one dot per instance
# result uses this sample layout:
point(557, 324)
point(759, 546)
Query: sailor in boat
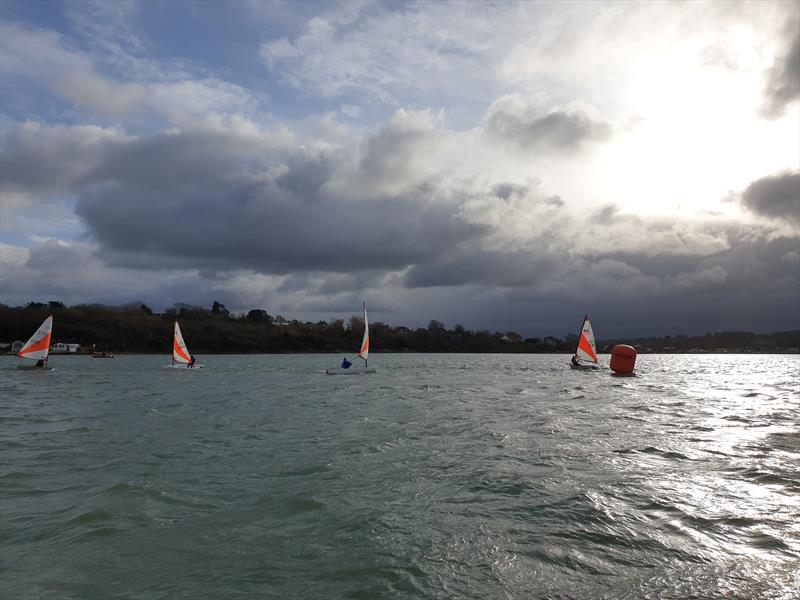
point(191, 361)
point(40, 363)
point(575, 359)
point(346, 364)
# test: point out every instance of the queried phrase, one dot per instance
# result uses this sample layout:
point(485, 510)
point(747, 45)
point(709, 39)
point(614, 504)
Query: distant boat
point(585, 352)
point(38, 347)
point(181, 359)
point(363, 354)
point(102, 354)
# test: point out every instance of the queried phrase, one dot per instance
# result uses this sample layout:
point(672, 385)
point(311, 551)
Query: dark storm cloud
point(753, 285)
point(776, 196)
point(564, 130)
point(40, 160)
point(219, 200)
point(783, 79)
point(485, 267)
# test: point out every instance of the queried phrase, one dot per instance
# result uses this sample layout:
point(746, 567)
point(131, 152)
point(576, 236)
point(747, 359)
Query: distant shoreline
point(788, 352)
point(136, 329)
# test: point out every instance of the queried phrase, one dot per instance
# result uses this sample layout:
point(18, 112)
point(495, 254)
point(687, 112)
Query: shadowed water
point(440, 476)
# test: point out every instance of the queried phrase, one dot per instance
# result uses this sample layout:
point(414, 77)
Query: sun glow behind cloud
point(699, 136)
point(683, 98)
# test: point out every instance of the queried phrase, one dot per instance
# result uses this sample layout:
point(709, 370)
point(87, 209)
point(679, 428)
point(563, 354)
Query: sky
point(503, 166)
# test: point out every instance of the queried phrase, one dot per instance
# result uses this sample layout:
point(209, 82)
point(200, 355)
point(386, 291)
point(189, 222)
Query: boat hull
point(184, 367)
point(584, 367)
point(350, 371)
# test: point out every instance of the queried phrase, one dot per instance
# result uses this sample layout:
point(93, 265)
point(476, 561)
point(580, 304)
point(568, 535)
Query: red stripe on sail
point(40, 345)
point(584, 345)
point(364, 347)
point(177, 350)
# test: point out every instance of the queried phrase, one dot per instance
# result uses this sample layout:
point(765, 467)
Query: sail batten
point(38, 347)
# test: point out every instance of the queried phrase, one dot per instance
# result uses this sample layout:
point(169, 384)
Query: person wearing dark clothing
point(191, 361)
point(346, 364)
point(575, 359)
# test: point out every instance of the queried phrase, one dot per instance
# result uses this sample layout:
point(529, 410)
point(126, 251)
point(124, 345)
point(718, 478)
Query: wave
point(304, 471)
point(150, 494)
point(765, 477)
point(652, 450)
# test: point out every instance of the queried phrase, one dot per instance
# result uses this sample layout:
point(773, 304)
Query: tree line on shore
point(136, 328)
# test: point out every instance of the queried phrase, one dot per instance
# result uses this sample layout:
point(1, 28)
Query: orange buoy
point(623, 359)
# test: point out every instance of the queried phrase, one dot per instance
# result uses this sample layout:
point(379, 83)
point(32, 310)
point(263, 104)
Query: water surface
point(440, 476)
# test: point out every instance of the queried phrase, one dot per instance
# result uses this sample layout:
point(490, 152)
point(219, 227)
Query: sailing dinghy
point(181, 359)
point(363, 354)
point(38, 347)
point(586, 352)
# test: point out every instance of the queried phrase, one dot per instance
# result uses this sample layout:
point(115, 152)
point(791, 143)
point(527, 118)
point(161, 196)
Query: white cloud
point(70, 73)
point(388, 54)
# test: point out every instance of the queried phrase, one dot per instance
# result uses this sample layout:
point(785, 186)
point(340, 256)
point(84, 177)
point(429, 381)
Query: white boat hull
point(184, 367)
point(350, 371)
point(580, 367)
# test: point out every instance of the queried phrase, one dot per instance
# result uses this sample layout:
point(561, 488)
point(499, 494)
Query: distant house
point(62, 348)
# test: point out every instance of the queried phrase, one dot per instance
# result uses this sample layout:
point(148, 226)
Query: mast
point(366, 333)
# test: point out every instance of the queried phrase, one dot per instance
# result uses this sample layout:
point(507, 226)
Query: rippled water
point(440, 476)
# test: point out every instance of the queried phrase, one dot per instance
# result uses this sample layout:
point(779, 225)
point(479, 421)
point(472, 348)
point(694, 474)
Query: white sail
point(180, 353)
point(364, 351)
point(38, 347)
point(586, 349)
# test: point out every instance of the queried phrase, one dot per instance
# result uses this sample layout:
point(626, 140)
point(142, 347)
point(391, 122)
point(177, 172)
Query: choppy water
point(441, 476)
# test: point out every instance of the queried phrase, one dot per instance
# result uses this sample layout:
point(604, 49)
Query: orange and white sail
point(180, 353)
point(364, 351)
point(586, 349)
point(38, 347)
